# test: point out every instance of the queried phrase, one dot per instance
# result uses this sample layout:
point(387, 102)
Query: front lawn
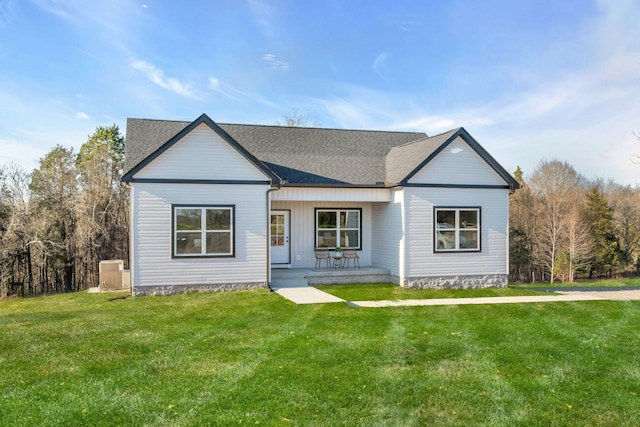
point(256, 358)
point(389, 291)
point(610, 283)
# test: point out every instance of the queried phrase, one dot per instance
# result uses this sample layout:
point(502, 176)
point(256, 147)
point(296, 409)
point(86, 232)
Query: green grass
point(389, 291)
point(255, 358)
point(611, 283)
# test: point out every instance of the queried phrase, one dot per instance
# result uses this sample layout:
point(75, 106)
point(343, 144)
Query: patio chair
point(322, 254)
point(351, 254)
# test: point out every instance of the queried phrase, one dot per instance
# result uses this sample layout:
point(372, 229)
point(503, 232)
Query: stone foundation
point(453, 282)
point(183, 289)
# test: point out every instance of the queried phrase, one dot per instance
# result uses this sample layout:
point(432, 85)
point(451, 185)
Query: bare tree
point(16, 238)
point(296, 119)
point(554, 185)
point(579, 242)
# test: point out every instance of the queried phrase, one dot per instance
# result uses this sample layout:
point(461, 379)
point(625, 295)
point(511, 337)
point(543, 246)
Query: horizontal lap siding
point(421, 260)
point(152, 235)
point(388, 235)
point(302, 231)
point(445, 168)
point(201, 154)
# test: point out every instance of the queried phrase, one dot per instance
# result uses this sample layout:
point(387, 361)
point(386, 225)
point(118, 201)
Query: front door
point(280, 237)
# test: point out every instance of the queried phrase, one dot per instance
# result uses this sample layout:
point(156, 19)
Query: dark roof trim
point(198, 181)
point(506, 176)
point(500, 187)
point(303, 185)
point(128, 177)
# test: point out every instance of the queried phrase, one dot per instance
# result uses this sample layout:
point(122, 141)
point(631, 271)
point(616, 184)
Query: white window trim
point(203, 230)
point(338, 229)
point(457, 229)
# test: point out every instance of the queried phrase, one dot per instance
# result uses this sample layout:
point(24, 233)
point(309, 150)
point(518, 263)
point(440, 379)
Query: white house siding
point(463, 167)
point(201, 154)
point(153, 268)
point(388, 235)
point(302, 230)
point(424, 268)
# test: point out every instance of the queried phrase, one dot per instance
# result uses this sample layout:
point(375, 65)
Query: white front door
point(280, 237)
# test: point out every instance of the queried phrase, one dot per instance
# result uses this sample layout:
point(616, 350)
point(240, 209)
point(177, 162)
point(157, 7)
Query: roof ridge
point(323, 128)
point(286, 127)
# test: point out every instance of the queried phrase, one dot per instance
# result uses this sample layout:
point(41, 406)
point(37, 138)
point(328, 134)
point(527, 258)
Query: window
point(338, 227)
point(457, 229)
point(203, 231)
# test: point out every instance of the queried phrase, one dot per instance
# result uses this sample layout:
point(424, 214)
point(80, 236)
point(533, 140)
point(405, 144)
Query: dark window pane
point(350, 219)
point(188, 219)
point(327, 238)
point(468, 219)
point(350, 238)
point(188, 243)
point(446, 240)
point(218, 219)
point(327, 219)
point(219, 243)
point(446, 219)
point(468, 240)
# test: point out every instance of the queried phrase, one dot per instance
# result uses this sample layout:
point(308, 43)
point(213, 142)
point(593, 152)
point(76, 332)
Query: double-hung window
point(339, 227)
point(457, 229)
point(206, 231)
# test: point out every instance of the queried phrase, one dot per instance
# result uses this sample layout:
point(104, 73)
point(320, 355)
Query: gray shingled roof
point(298, 155)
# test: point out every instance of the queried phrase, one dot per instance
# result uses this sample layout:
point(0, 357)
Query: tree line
point(564, 227)
point(60, 220)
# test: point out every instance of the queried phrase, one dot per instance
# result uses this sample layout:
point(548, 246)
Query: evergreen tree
point(599, 216)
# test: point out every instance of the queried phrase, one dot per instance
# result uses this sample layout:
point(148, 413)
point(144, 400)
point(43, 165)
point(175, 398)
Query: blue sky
point(530, 80)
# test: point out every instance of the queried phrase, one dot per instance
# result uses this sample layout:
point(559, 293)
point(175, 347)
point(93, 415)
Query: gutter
point(273, 189)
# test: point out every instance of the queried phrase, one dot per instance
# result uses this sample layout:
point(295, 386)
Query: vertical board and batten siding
point(463, 167)
point(201, 154)
point(420, 258)
point(302, 230)
point(388, 235)
point(332, 194)
point(151, 232)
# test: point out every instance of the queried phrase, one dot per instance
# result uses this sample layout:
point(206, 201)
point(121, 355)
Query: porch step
point(291, 282)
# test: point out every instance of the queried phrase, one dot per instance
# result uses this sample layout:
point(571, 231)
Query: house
point(218, 206)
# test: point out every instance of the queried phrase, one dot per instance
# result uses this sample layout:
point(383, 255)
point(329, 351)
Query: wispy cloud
point(380, 62)
point(82, 115)
point(157, 76)
point(237, 95)
point(221, 88)
point(276, 64)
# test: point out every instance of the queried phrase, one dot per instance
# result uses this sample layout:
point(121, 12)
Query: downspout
point(269, 231)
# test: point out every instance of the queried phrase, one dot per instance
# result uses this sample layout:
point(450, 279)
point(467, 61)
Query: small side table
point(338, 260)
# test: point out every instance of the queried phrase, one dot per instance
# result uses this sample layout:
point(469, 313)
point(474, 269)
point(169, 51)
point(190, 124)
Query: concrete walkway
point(298, 291)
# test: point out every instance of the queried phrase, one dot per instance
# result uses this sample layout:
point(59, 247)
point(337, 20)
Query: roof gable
point(182, 133)
point(432, 147)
